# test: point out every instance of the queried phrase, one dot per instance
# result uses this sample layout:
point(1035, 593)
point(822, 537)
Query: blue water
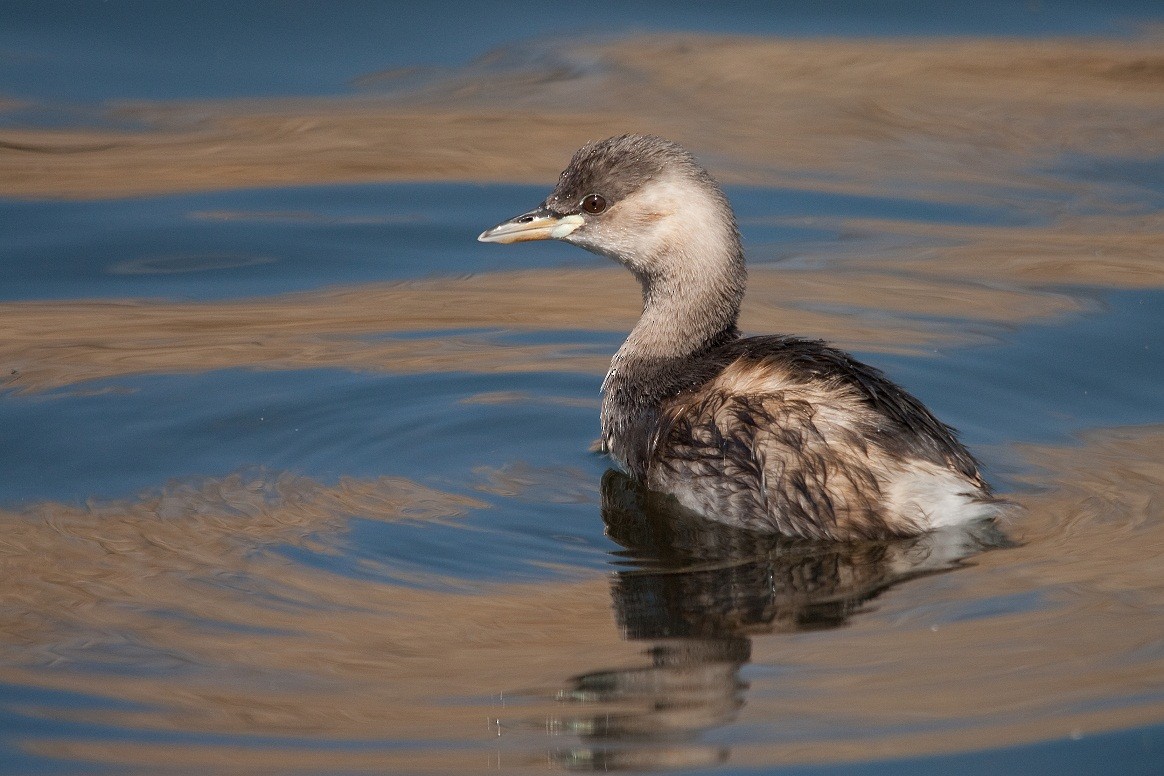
point(267, 241)
point(78, 51)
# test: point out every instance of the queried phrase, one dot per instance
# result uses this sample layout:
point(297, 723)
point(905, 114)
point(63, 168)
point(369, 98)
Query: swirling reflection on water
point(696, 593)
point(220, 616)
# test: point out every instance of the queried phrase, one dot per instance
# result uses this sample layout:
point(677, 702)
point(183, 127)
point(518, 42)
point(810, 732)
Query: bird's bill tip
point(540, 224)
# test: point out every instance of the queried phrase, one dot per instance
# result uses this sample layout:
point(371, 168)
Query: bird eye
point(593, 204)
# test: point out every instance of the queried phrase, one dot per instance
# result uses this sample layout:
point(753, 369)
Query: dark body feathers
point(677, 422)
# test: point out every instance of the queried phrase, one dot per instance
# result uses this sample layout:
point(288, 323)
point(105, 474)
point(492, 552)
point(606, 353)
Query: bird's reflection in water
point(697, 592)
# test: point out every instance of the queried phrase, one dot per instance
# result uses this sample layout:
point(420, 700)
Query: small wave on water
point(172, 265)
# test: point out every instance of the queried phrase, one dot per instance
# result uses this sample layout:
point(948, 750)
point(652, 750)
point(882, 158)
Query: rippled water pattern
point(295, 475)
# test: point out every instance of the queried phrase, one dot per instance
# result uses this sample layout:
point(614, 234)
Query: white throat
point(679, 239)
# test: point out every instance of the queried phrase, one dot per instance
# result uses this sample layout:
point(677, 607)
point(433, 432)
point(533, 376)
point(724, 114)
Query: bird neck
point(688, 309)
point(682, 317)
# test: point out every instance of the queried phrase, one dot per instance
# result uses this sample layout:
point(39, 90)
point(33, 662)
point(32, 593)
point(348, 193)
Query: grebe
point(773, 433)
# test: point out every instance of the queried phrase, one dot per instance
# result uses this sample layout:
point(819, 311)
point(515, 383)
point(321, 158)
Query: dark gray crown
point(619, 166)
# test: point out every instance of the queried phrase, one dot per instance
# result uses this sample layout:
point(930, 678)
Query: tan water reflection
point(954, 119)
point(51, 344)
point(227, 635)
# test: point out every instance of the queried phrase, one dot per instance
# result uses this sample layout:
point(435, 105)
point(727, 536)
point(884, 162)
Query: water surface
point(295, 475)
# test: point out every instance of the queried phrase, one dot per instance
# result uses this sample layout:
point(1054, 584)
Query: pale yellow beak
point(540, 224)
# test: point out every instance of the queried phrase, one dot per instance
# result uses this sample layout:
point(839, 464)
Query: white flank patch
point(935, 497)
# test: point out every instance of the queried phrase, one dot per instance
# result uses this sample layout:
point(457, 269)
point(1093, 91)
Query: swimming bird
point(769, 433)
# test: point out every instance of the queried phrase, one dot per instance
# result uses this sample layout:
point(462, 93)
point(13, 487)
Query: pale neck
point(685, 312)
